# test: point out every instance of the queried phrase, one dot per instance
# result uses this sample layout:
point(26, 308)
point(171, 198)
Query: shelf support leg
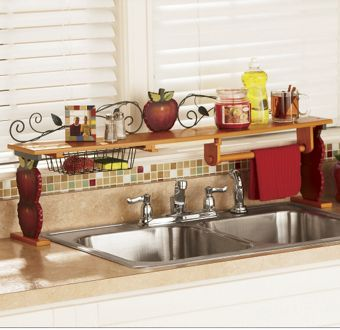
point(312, 178)
point(30, 212)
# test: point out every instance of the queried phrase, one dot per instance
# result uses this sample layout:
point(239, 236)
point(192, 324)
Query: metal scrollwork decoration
point(195, 116)
point(129, 120)
point(18, 126)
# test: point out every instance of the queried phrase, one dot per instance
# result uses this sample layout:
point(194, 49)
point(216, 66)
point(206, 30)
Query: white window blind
point(198, 46)
point(54, 53)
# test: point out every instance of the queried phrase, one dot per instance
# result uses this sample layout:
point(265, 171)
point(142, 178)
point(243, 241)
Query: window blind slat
point(73, 17)
point(89, 31)
point(58, 48)
point(71, 77)
point(19, 6)
point(60, 63)
point(56, 93)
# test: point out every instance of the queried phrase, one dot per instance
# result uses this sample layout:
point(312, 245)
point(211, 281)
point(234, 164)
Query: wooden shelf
point(149, 140)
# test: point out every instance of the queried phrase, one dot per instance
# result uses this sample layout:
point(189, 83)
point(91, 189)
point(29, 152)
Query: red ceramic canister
point(232, 109)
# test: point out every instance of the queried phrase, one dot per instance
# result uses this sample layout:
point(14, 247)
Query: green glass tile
point(199, 170)
point(85, 183)
point(133, 178)
point(50, 187)
point(71, 185)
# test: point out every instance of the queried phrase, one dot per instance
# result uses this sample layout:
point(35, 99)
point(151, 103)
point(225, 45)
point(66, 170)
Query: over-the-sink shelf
point(148, 141)
point(93, 156)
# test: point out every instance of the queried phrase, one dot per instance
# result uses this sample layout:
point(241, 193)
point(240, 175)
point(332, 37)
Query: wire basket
point(92, 161)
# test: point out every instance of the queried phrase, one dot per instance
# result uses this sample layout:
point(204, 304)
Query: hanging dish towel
point(275, 173)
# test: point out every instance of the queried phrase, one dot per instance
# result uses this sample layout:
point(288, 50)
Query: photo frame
point(80, 121)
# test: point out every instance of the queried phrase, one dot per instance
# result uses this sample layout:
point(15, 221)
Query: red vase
point(337, 180)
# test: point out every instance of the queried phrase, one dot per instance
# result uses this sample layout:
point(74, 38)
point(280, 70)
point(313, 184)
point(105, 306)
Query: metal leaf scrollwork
point(18, 126)
point(129, 120)
point(195, 116)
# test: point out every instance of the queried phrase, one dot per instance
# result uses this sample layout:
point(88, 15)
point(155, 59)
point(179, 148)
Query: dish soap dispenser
point(254, 80)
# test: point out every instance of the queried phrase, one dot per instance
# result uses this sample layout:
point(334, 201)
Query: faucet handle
point(209, 190)
point(146, 210)
point(209, 200)
point(146, 198)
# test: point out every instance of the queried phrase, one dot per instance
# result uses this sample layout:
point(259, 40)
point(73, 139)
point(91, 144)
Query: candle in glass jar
point(232, 109)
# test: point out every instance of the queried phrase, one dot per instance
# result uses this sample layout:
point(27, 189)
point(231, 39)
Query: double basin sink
point(262, 229)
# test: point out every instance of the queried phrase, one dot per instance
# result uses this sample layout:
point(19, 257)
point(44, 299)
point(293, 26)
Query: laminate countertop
point(34, 276)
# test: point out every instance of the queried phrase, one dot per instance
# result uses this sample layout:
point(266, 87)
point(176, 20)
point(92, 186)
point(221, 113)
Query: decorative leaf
point(154, 97)
point(57, 121)
point(168, 96)
point(203, 111)
point(30, 164)
point(22, 162)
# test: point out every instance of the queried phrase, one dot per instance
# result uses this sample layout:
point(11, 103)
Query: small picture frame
point(80, 121)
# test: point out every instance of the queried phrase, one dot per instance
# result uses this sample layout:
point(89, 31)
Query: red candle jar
point(232, 109)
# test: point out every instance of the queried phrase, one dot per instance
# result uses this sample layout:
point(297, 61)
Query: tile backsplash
point(56, 183)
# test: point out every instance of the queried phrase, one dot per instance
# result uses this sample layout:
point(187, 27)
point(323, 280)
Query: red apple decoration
point(160, 113)
point(30, 213)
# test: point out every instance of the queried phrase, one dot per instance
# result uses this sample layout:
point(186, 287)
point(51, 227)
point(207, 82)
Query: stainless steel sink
point(262, 229)
point(282, 224)
point(151, 247)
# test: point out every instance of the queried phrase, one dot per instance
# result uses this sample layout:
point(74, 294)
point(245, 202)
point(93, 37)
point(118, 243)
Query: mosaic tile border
point(56, 183)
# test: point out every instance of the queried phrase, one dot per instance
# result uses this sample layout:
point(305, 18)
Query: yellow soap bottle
point(254, 80)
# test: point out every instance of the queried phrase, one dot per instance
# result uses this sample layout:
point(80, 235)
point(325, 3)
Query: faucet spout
point(239, 207)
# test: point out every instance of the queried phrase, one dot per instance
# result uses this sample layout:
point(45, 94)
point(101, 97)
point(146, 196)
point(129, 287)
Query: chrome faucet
point(146, 210)
point(239, 207)
point(177, 201)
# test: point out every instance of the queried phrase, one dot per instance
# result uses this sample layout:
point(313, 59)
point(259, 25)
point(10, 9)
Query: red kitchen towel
point(275, 173)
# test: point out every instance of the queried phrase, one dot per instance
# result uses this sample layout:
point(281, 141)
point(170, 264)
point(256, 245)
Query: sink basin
point(151, 247)
point(263, 229)
point(288, 225)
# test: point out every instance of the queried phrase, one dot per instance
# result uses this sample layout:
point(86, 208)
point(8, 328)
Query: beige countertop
point(33, 276)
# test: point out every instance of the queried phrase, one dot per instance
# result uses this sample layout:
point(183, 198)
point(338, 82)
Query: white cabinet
point(299, 296)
